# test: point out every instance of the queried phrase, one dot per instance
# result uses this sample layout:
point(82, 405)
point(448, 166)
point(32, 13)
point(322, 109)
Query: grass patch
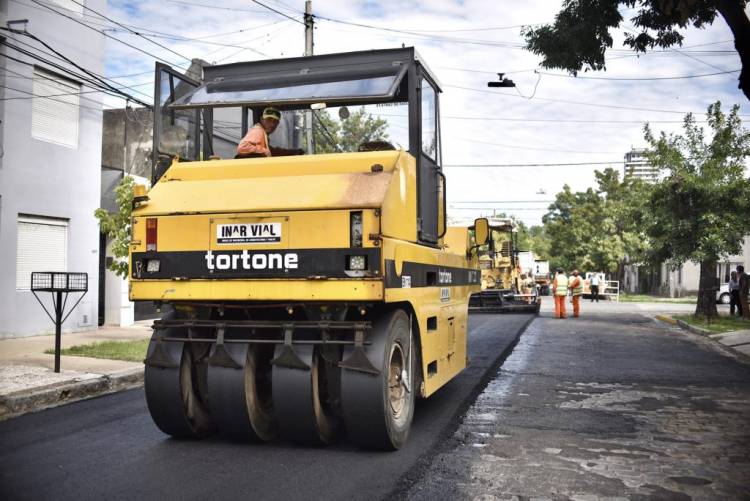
point(645, 298)
point(131, 351)
point(724, 323)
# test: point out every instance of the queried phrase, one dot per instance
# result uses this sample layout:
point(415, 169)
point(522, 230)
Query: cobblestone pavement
point(611, 406)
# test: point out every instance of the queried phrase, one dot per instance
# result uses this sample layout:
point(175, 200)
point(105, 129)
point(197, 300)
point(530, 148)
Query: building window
point(54, 109)
point(69, 5)
point(42, 246)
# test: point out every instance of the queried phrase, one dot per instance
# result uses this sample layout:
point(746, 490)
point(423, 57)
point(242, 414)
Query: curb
point(26, 401)
point(667, 319)
point(713, 337)
point(695, 330)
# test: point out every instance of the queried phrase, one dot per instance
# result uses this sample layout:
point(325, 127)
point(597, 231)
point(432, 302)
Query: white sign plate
point(248, 233)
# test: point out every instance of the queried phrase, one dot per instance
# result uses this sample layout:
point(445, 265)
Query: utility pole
point(309, 25)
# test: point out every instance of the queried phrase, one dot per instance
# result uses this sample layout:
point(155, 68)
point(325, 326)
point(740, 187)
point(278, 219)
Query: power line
point(422, 36)
point(26, 77)
point(97, 79)
point(501, 202)
point(540, 209)
point(278, 12)
point(151, 31)
point(58, 57)
point(107, 35)
point(195, 4)
point(51, 98)
point(639, 78)
point(595, 105)
point(532, 148)
point(572, 121)
point(488, 28)
point(132, 31)
point(503, 166)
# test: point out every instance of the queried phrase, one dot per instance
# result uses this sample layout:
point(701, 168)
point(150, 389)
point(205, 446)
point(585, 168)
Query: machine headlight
point(152, 265)
point(357, 263)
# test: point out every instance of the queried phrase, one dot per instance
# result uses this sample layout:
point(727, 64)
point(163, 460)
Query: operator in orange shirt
point(255, 143)
point(576, 290)
point(560, 291)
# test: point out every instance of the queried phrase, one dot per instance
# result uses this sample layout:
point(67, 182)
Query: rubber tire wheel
point(301, 400)
point(725, 298)
point(240, 399)
point(172, 394)
point(366, 406)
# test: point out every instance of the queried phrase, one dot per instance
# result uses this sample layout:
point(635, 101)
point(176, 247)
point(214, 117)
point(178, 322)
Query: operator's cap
point(271, 112)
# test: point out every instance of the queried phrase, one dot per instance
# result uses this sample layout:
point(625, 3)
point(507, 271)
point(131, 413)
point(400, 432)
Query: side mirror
point(481, 231)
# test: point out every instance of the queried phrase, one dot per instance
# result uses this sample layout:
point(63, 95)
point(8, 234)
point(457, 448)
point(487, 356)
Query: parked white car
point(722, 295)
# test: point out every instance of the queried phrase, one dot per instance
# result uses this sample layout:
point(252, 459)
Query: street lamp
point(504, 82)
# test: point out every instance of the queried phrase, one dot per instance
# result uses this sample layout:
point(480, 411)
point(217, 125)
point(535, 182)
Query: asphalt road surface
point(609, 406)
point(108, 447)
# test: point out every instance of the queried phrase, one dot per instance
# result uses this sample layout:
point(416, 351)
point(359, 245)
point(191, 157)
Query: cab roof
point(336, 79)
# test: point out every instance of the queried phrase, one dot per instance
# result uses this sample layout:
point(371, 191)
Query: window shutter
point(42, 246)
point(55, 118)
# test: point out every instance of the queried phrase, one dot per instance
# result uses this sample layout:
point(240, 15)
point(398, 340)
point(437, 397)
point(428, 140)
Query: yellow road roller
point(302, 294)
point(503, 290)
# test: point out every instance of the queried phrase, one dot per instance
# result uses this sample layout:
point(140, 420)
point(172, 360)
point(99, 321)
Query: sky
point(550, 117)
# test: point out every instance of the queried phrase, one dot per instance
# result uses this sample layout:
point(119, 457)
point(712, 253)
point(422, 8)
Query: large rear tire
point(173, 394)
point(240, 399)
point(378, 409)
point(306, 401)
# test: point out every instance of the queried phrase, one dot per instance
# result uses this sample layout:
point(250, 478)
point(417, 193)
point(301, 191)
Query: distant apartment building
point(50, 151)
point(637, 165)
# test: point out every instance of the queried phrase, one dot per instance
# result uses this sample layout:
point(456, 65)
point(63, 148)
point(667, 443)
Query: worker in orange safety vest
point(576, 291)
point(255, 143)
point(560, 291)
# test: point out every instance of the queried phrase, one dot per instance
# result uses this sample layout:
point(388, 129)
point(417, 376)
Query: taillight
point(151, 234)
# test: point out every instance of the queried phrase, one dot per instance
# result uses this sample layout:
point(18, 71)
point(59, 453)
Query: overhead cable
point(503, 166)
point(565, 75)
point(130, 30)
point(91, 75)
point(107, 35)
point(279, 12)
point(64, 69)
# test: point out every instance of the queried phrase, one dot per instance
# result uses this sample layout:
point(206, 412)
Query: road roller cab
point(303, 292)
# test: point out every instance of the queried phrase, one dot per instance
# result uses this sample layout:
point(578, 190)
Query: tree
point(700, 211)
point(116, 225)
point(599, 229)
point(539, 242)
point(360, 127)
point(581, 33)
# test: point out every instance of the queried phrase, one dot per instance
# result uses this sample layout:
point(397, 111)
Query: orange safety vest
point(255, 141)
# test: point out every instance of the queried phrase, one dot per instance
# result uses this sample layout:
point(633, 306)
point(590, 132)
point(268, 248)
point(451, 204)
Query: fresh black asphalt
point(108, 447)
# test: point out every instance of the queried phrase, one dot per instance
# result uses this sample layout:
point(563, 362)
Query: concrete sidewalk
point(28, 382)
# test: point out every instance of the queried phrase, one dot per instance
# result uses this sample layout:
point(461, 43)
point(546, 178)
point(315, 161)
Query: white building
point(50, 137)
point(683, 281)
point(637, 165)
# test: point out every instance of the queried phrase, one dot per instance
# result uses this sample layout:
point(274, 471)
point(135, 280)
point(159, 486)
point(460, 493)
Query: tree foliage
point(598, 229)
point(116, 225)
point(700, 211)
point(349, 133)
point(581, 32)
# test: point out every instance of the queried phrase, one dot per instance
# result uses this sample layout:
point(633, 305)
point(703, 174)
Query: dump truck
point(503, 290)
point(307, 294)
